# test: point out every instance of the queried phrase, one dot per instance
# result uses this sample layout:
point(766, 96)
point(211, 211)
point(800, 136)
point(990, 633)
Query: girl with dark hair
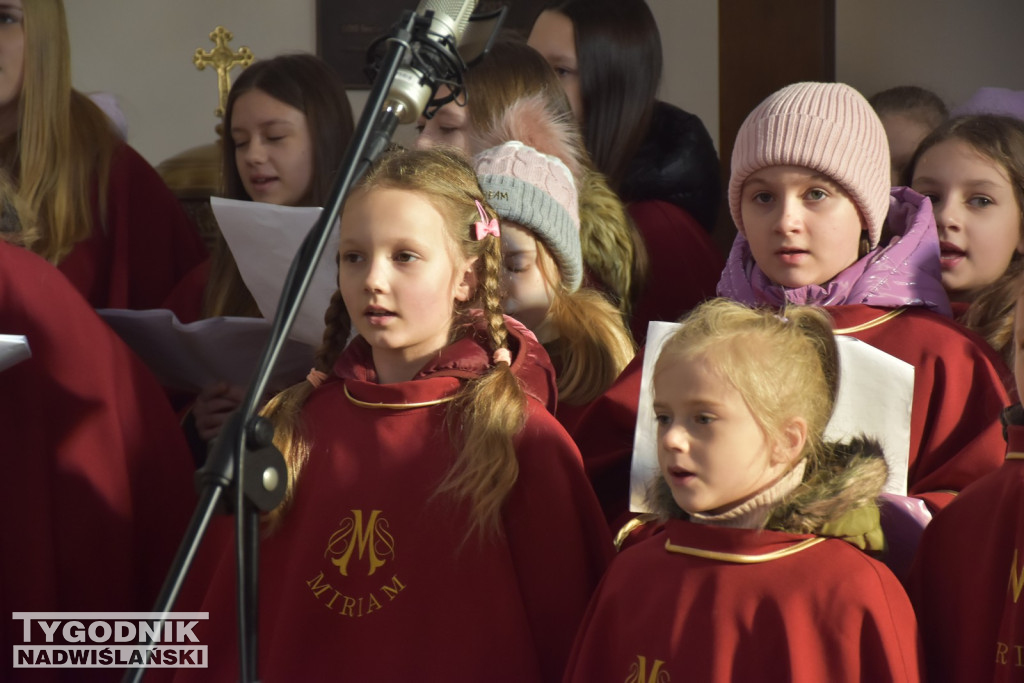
point(660, 159)
point(287, 125)
point(608, 56)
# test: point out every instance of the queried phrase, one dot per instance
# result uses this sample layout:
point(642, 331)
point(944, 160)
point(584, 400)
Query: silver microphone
point(413, 86)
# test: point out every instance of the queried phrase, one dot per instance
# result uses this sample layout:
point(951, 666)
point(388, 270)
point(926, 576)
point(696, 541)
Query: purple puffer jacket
point(906, 272)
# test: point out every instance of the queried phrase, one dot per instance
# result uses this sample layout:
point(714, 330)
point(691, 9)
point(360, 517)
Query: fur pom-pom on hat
point(531, 122)
point(827, 127)
point(526, 180)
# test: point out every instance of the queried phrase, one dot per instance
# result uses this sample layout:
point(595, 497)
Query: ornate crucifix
point(223, 60)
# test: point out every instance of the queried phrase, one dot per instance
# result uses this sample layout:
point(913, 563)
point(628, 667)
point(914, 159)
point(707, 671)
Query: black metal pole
point(228, 463)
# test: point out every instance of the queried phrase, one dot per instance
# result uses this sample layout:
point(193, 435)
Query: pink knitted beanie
point(536, 191)
point(827, 127)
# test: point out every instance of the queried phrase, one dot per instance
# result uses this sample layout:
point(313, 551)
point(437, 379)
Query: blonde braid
point(491, 410)
point(285, 409)
point(490, 289)
point(337, 328)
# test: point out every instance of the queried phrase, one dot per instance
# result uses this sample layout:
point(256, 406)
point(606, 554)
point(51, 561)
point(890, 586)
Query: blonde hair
point(991, 313)
point(489, 411)
point(593, 345)
point(64, 141)
point(784, 366)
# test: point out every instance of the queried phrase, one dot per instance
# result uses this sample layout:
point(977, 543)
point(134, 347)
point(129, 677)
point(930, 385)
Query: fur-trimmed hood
point(838, 496)
point(846, 481)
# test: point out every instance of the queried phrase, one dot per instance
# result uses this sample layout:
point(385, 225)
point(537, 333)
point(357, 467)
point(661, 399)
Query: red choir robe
point(685, 264)
point(959, 393)
point(186, 299)
point(372, 576)
point(968, 575)
point(147, 243)
point(569, 416)
point(714, 604)
point(97, 474)
point(955, 435)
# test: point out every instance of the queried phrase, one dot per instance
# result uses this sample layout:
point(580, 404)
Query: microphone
point(432, 58)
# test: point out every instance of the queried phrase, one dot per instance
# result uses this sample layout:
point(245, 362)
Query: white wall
point(951, 47)
point(689, 45)
point(141, 50)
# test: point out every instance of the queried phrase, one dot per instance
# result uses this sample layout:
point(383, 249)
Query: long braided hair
point(490, 410)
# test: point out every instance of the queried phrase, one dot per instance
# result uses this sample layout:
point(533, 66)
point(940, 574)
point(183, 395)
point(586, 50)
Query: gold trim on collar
point(395, 406)
point(629, 526)
point(884, 318)
point(743, 559)
point(1015, 456)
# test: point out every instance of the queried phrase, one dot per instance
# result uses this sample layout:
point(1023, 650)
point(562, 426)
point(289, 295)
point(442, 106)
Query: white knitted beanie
point(827, 127)
point(536, 191)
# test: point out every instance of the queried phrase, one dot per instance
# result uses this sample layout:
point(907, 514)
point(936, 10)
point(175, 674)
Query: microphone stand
point(243, 460)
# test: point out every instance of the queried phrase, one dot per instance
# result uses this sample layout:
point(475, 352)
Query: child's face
point(976, 213)
point(449, 127)
point(711, 451)
point(528, 294)
point(398, 278)
point(803, 229)
point(273, 149)
point(904, 134)
point(554, 37)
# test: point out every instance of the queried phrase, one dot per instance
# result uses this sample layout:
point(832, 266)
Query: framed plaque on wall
point(346, 29)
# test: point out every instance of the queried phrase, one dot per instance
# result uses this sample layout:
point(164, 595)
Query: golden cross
point(223, 60)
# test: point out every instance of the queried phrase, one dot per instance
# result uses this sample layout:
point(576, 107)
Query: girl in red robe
point(95, 465)
point(968, 574)
point(754, 575)
point(438, 524)
point(972, 170)
point(70, 188)
point(287, 123)
point(528, 177)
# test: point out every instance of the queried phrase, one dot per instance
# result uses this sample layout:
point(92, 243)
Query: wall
point(951, 47)
point(141, 50)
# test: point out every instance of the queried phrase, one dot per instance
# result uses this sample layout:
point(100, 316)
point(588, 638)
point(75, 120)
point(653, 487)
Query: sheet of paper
point(13, 349)
point(876, 393)
point(189, 357)
point(264, 239)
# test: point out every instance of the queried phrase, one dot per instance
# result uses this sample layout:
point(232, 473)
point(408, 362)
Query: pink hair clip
point(502, 355)
point(485, 227)
point(316, 378)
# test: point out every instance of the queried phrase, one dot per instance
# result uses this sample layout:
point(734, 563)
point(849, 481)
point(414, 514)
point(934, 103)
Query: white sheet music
point(13, 349)
point(189, 357)
point(264, 239)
